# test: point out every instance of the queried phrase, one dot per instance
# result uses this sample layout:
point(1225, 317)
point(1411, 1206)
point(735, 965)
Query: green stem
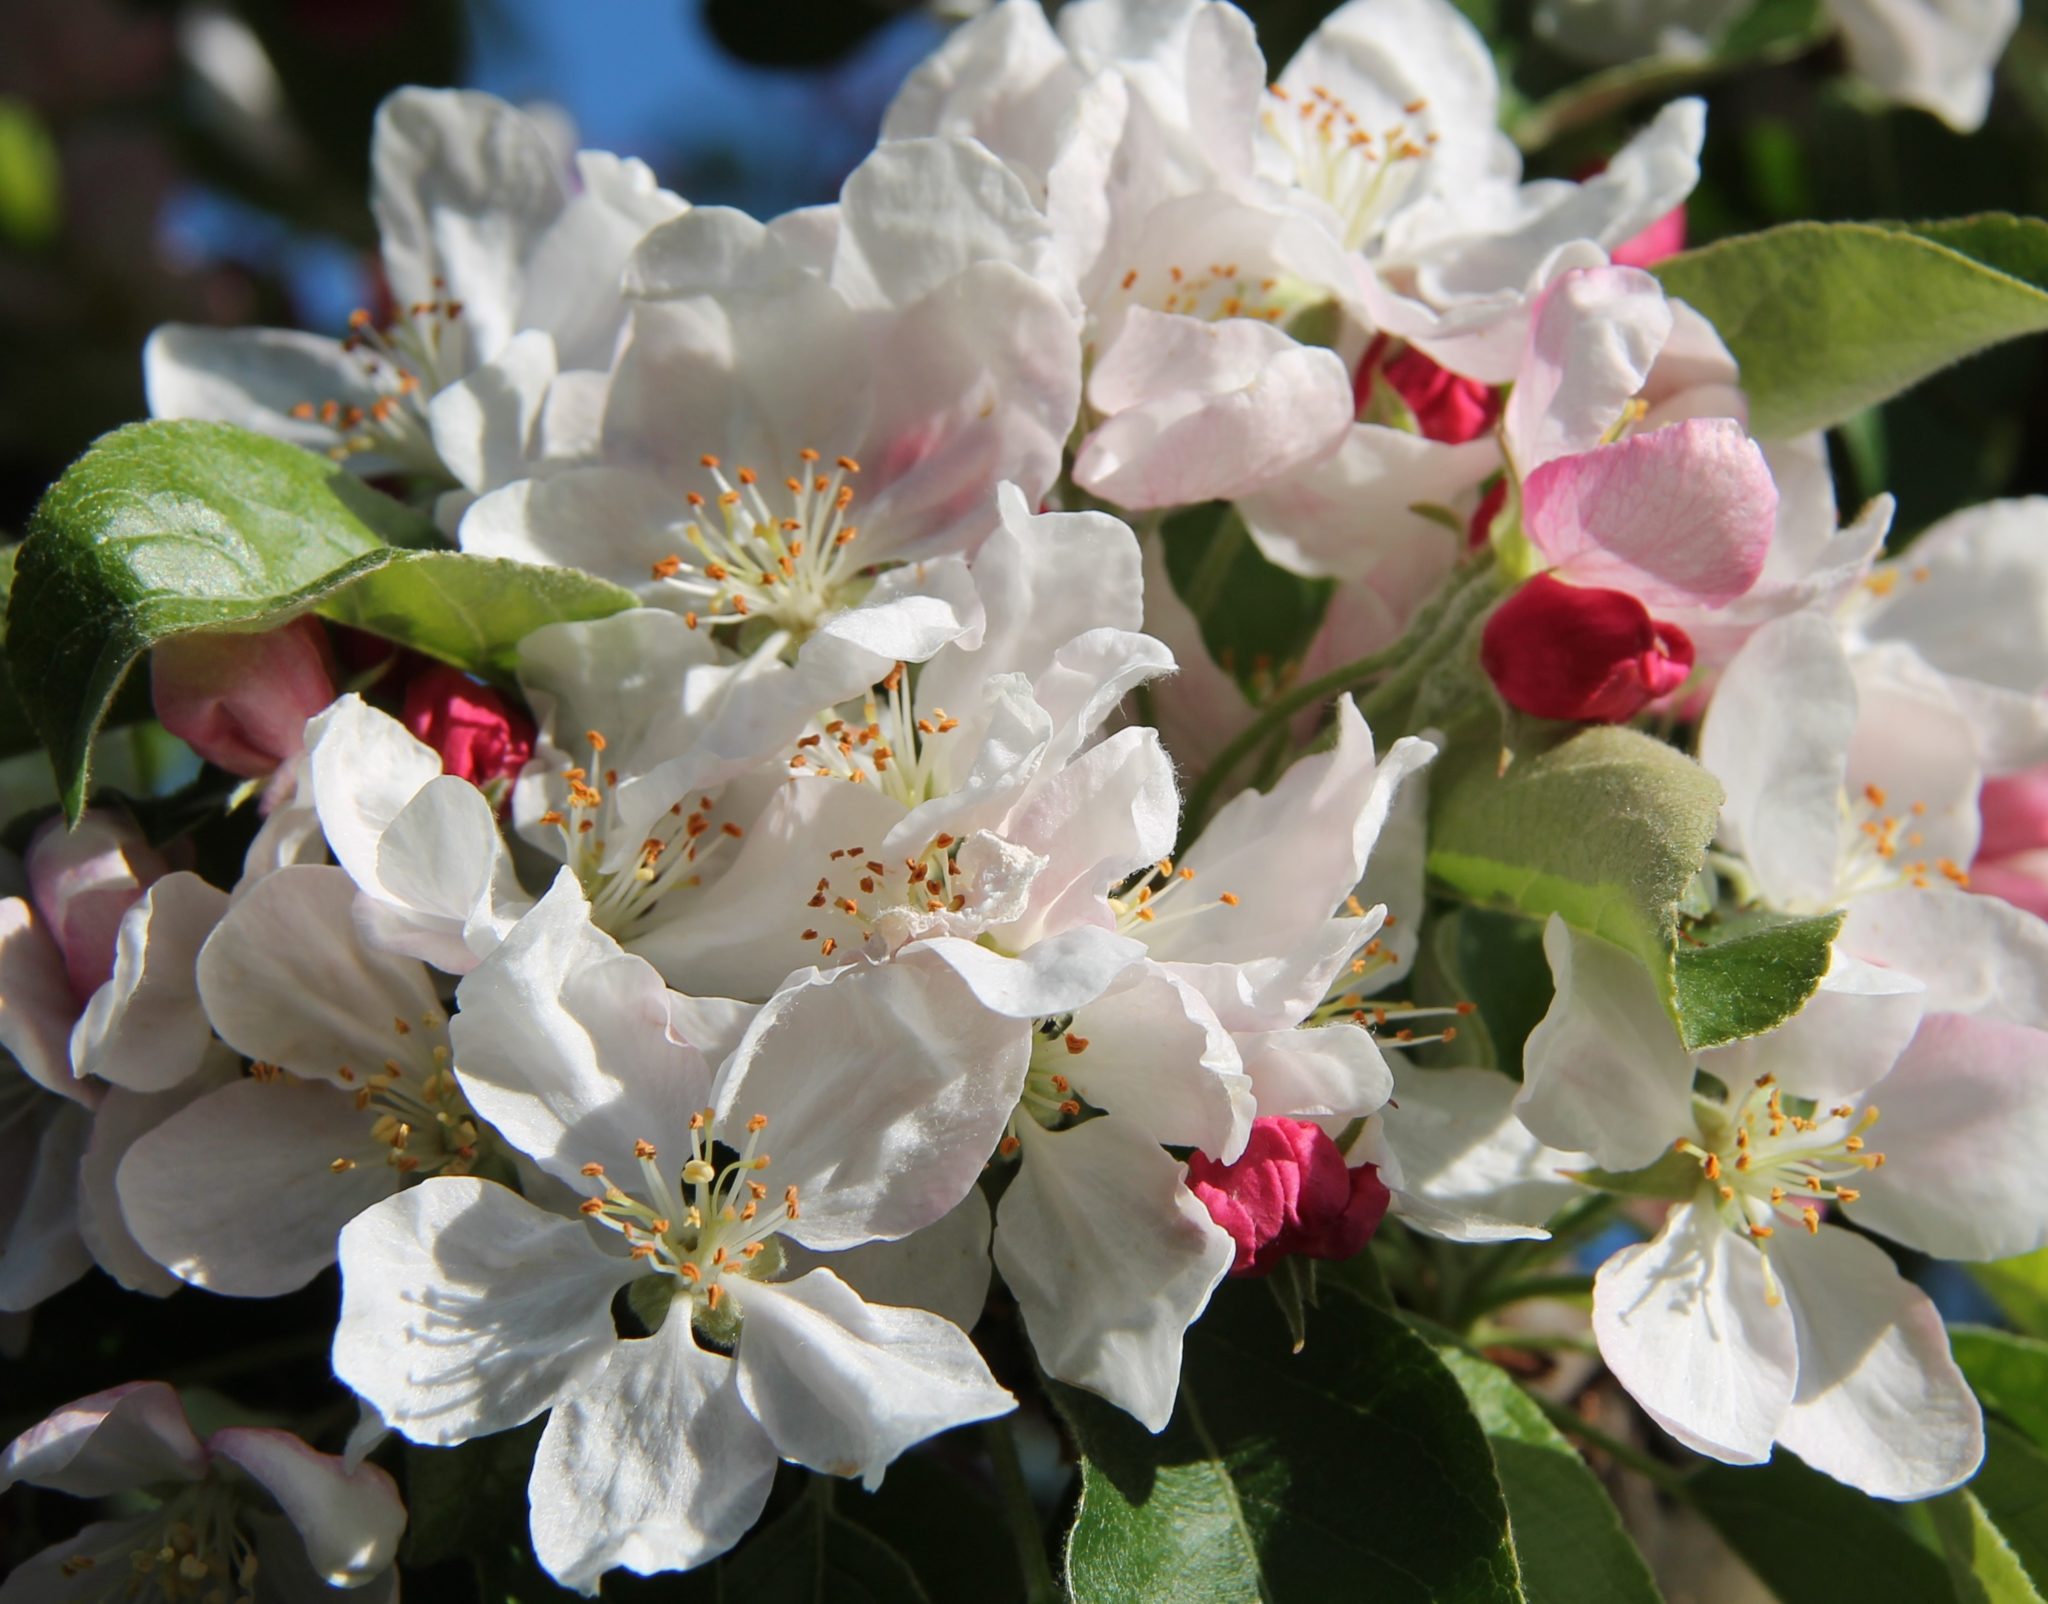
point(1618, 88)
point(1021, 1514)
point(1274, 714)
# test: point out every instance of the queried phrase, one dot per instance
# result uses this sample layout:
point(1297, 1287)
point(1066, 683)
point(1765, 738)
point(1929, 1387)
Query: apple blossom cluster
point(887, 907)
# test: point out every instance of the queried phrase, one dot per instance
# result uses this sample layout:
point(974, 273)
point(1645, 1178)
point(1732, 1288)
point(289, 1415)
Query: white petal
point(1592, 339)
point(1689, 1326)
point(462, 186)
point(122, 1119)
point(252, 378)
point(446, 877)
point(1156, 1054)
point(144, 1029)
point(1843, 1041)
point(363, 766)
point(563, 1043)
point(1881, 1404)
point(112, 1442)
point(1476, 1172)
point(886, 1089)
point(844, 1386)
point(611, 522)
point(1936, 54)
point(653, 1464)
point(1055, 976)
point(1111, 1258)
point(917, 211)
point(1964, 1116)
point(350, 1518)
point(944, 1267)
point(484, 424)
point(1975, 954)
point(1604, 1070)
point(1777, 738)
point(1323, 1070)
point(266, 1218)
point(1197, 411)
point(466, 1310)
point(286, 980)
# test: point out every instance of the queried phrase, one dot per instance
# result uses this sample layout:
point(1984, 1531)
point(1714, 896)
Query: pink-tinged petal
point(350, 1518)
point(1679, 517)
point(241, 701)
point(1593, 335)
point(2021, 880)
point(1663, 238)
point(37, 1008)
point(2013, 811)
point(1198, 411)
point(83, 881)
point(111, 1442)
point(1690, 1326)
point(1963, 1122)
point(1881, 1405)
point(654, 1465)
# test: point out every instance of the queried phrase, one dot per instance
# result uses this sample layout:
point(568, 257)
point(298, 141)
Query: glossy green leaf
point(163, 528)
point(1280, 1473)
point(1809, 1538)
point(2009, 1374)
point(1607, 829)
point(1829, 318)
point(1567, 1533)
point(1983, 1568)
point(2020, 1287)
point(1744, 975)
point(2011, 1488)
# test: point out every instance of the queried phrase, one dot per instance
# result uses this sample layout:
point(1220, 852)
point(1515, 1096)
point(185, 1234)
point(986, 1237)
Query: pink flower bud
point(242, 701)
point(481, 737)
point(1573, 652)
point(1289, 1192)
point(2012, 852)
point(82, 881)
point(1665, 237)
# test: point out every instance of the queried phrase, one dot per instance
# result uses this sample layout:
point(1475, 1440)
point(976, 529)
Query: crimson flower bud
point(1573, 652)
point(1447, 406)
point(1289, 1192)
point(242, 701)
point(481, 737)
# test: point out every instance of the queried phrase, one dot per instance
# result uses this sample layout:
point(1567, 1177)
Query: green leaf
point(2011, 1488)
point(2008, 1373)
point(1607, 829)
point(1745, 975)
point(811, 1554)
point(1567, 1533)
point(2020, 1287)
point(1809, 1538)
point(1829, 318)
point(469, 611)
point(1981, 1563)
point(1255, 616)
point(1356, 1464)
point(460, 1501)
point(31, 178)
point(162, 528)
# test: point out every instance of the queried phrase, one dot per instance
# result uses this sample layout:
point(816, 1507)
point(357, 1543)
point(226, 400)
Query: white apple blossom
point(504, 274)
point(349, 1098)
point(248, 1513)
point(1751, 1318)
point(799, 403)
point(857, 1107)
